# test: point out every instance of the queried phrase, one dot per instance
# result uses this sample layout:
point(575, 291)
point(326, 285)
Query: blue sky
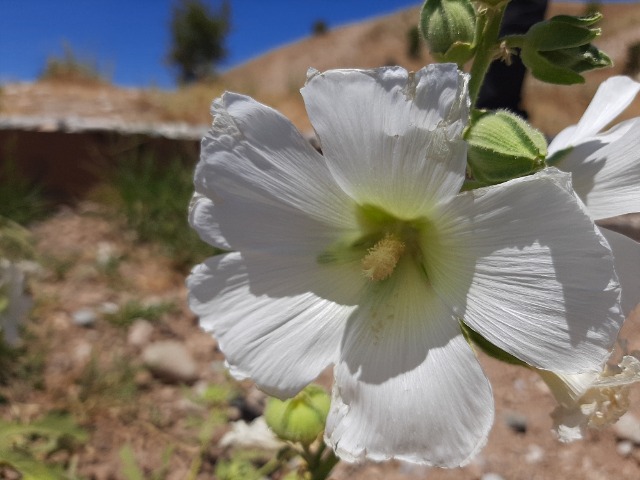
point(129, 39)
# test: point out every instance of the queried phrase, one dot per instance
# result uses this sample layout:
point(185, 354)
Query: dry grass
point(189, 103)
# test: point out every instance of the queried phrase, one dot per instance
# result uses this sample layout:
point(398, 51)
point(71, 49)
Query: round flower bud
point(448, 27)
point(301, 418)
point(503, 146)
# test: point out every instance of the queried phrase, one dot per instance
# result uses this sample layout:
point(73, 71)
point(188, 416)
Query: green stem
point(271, 466)
point(319, 465)
point(325, 466)
point(486, 48)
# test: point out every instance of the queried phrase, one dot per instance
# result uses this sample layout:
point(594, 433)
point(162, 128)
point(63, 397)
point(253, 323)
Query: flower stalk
point(489, 21)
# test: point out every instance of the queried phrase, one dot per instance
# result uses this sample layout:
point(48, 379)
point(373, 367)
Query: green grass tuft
point(154, 198)
point(132, 310)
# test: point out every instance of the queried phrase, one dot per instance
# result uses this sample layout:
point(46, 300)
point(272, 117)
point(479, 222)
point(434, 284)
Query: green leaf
point(29, 467)
point(130, 468)
point(558, 50)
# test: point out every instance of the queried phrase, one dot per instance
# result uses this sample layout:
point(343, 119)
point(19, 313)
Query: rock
point(516, 422)
point(106, 254)
point(82, 352)
point(169, 360)
point(535, 454)
point(251, 435)
point(491, 476)
point(624, 448)
point(109, 308)
point(140, 333)
point(628, 428)
point(85, 317)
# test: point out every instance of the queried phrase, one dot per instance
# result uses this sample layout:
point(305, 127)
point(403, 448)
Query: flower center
point(382, 258)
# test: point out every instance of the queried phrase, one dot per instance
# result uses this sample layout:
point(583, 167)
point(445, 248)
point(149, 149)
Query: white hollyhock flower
point(367, 257)
point(591, 400)
point(605, 168)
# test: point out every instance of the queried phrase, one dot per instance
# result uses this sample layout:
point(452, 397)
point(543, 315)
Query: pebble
point(82, 351)
point(491, 476)
point(109, 308)
point(628, 428)
point(516, 422)
point(535, 454)
point(624, 448)
point(85, 317)
point(169, 360)
point(140, 333)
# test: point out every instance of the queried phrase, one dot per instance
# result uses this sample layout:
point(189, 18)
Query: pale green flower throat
point(381, 243)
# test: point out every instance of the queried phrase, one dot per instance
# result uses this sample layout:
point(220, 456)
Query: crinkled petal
point(392, 139)
point(613, 96)
point(278, 320)
point(594, 400)
point(606, 171)
point(408, 387)
point(626, 254)
point(526, 268)
point(267, 188)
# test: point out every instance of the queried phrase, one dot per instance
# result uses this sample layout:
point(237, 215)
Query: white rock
point(251, 435)
point(109, 308)
point(534, 454)
point(491, 476)
point(140, 333)
point(169, 360)
point(624, 448)
point(628, 428)
point(85, 317)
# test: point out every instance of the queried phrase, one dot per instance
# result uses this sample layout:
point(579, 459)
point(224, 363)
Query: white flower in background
point(591, 400)
point(367, 257)
point(605, 168)
point(14, 303)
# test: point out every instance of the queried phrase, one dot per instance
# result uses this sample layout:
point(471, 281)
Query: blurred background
point(102, 108)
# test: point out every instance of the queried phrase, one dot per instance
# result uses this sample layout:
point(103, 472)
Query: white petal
point(613, 96)
point(626, 254)
point(392, 139)
point(525, 267)
point(278, 320)
point(593, 400)
point(266, 185)
point(606, 171)
point(408, 387)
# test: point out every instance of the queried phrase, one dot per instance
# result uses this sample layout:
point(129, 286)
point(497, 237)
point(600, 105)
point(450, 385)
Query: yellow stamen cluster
point(382, 258)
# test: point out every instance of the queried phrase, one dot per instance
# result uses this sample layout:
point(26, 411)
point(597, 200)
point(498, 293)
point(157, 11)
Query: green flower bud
point(503, 146)
point(559, 50)
point(301, 418)
point(448, 26)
